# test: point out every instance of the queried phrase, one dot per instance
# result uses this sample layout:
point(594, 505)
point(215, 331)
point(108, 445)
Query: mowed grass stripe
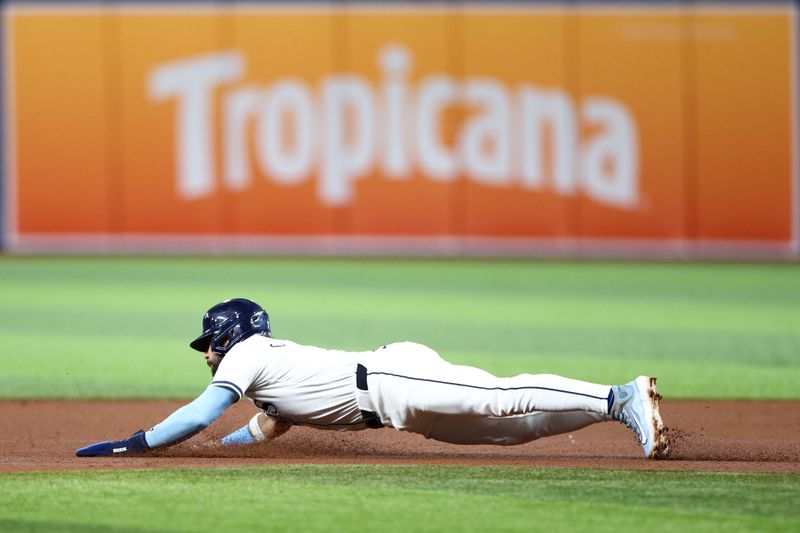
point(100, 326)
point(399, 498)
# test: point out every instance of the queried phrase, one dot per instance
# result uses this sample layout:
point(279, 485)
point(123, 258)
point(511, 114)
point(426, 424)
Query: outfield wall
point(557, 128)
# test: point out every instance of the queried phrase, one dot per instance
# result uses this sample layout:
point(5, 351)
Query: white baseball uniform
point(407, 386)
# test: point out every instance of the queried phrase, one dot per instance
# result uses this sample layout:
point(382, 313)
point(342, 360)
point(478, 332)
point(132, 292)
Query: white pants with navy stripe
point(413, 389)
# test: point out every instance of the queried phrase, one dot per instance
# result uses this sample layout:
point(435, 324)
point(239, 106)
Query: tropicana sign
point(346, 127)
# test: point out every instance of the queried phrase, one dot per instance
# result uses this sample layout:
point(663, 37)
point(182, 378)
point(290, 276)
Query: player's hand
point(136, 443)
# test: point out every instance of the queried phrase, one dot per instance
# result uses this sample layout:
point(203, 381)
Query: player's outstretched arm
point(260, 428)
point(180, 425)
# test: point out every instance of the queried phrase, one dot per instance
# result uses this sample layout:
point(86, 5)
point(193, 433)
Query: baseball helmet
point(230, 322)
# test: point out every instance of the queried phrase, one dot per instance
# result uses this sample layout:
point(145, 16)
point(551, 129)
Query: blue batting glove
point(136, 443)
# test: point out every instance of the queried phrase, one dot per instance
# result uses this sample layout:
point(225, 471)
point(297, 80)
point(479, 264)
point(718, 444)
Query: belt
point(370, 417)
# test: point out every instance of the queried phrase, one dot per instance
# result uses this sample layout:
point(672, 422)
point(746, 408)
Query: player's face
point(212, 360)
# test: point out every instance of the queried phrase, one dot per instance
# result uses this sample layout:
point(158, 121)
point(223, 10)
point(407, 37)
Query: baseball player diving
point(406, 386)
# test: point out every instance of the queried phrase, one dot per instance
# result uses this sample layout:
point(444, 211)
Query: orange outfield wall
point(650, 124)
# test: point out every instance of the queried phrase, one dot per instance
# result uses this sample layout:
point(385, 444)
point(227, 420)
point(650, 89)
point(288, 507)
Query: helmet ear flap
point(223, 341)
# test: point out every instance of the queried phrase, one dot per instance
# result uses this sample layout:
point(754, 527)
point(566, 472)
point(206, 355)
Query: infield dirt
point(719, 435)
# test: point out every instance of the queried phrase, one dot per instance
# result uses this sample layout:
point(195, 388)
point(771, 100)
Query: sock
point(610, 399)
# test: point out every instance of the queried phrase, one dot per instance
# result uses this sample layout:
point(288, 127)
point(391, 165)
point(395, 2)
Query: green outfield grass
point(119, 327)
point(398, 498)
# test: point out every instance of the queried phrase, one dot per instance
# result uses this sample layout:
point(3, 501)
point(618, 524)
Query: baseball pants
point(411, 388)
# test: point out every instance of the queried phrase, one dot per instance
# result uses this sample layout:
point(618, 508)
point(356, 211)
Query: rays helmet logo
point(259, 320)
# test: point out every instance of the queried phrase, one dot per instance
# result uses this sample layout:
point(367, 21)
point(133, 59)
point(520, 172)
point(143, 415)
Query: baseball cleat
point(636, 406)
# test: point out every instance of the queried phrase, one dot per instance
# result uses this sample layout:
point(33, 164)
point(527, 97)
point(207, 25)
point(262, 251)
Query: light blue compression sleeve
point(239, 437)
point(191, 418)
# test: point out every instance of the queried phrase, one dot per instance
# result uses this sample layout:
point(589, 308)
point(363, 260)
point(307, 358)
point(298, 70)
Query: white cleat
point(636, 406)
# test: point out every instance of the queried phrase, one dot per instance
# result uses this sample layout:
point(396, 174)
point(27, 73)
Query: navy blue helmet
point(230, 322)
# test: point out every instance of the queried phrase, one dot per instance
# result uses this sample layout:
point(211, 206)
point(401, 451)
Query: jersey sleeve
point(236, 372)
